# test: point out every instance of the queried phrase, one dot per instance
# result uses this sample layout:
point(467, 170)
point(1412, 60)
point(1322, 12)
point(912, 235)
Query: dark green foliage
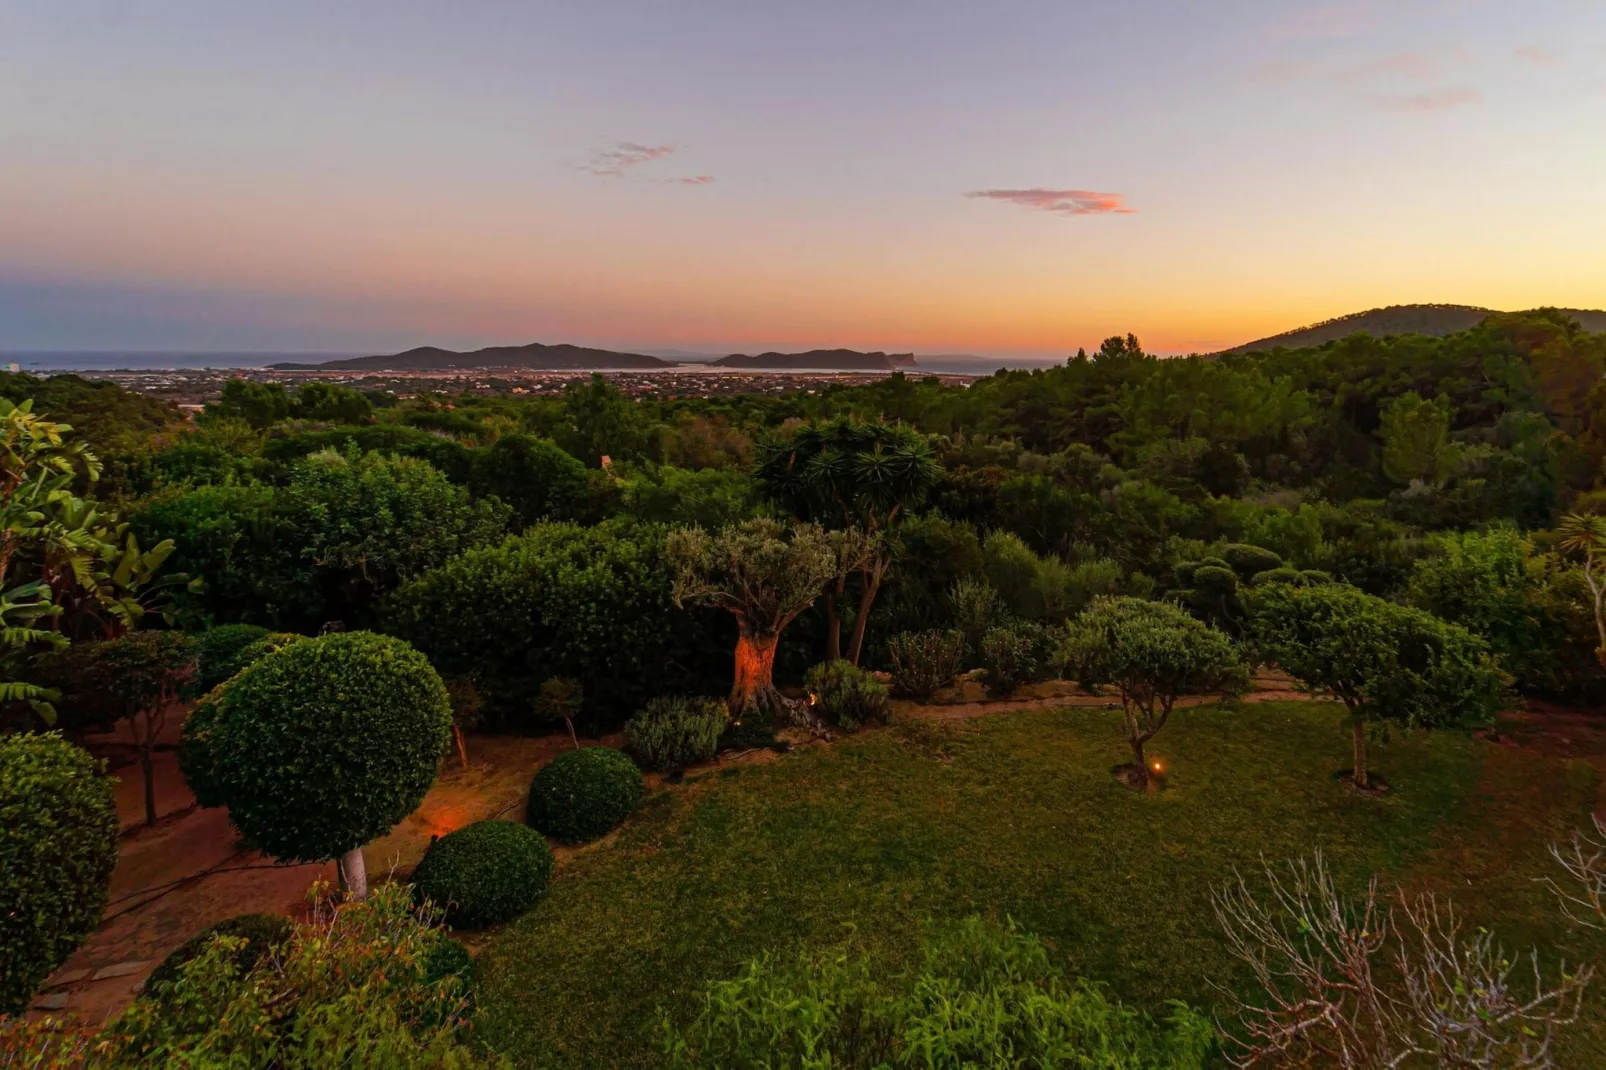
point(582, 794)
point(318, 400)
point(326, 744)
point(219, 650)
point(261, 933)
point(258, 404)
point(535, 478)
point(195, 758)
point(484, 873)
point(1385, 661)
point(342, 532)
point(445, 455)
point(58, 844)
point(1011, 655)
point(589, 603)
point(448, 958)
point(985, 995)
point(1247, 560)
point(845, 695)
point(673, 732)
point(1290, 576)
point(922, 662)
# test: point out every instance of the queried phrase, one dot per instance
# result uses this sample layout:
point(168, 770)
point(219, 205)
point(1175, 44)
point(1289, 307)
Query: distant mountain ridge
point(821, 360)
point(1434, 320)
point(532, 357)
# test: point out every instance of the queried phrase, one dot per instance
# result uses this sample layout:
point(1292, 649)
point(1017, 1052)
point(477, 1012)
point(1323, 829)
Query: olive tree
point(1386, 663)
point(764, 573)
point(1153, 652)
point(325, 744)
point(58, 845)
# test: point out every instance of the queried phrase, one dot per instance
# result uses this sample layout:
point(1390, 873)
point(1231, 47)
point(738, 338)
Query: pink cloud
point(1411, 66)
point(1537, 55)
point(693, 180)
point(1435, 100)
point(1062, 201)
point(625, 155)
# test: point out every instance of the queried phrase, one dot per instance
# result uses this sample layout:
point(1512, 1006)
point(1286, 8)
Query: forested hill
point(534, 356)
point(1433, 320)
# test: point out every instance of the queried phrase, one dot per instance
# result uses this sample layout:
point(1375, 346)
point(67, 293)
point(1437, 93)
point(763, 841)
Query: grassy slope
point(1014, 814)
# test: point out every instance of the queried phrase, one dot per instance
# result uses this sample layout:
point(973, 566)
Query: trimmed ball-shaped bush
point(58, 845)
point(581, 794)
point(325, 744)
point(484, 873)
point(262, 933)
point(218, 652)
point(449, 958)
point(195, 750)
point(675, 731)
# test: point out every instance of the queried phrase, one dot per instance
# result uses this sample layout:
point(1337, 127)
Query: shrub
point(846, 695)
point(58, 844)
point(270, 643)
point(922, 662)
point(257, 934)
point(326, 744)
point(592, 603)
point(195, 750)
point(1010, 657)
point(484, 873)
point(976, 607)
point(672, 733)
point(1386, 662)
point(347, 988)
point(582, 794)
point(1248, 560)
point(449, 958)
point(985, 995)
point(219, 652)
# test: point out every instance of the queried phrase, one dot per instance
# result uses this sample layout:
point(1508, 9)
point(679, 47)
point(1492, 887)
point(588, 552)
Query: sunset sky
point(1009, 177)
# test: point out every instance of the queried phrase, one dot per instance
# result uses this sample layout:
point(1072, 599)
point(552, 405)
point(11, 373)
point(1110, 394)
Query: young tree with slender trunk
point(1386, 663)
point(1587, 535)
point(1154, 653)
point(764, 573)
point(850, 474)
point(140, 675)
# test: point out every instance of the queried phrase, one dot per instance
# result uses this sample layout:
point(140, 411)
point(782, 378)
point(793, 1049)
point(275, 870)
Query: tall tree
point(764, 573)
point(851, 474)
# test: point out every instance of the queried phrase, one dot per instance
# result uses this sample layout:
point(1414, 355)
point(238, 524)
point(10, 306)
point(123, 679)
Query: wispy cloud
point(1329, 20)
point(1061, 201)
point(692, 180)
point(623, 155)
point(1537, 55)
point(1434, 100)
point(1401, 66)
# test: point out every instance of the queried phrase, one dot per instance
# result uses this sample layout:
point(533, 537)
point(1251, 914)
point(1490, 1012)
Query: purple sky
point(1003, 178)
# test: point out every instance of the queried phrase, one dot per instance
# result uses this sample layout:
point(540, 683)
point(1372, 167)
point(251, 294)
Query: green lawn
point(1014, 814)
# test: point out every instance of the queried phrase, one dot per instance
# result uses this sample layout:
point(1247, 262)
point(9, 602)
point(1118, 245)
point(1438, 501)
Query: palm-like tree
point(850, 474)
point(1587, 535)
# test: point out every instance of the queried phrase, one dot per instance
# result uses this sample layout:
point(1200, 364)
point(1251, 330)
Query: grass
point(1016, 815)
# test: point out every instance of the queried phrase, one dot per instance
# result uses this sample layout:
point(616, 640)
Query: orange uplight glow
point(1156, 767)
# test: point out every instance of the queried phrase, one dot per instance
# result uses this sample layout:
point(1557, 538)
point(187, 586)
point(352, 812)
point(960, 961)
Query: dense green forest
point(516, 539)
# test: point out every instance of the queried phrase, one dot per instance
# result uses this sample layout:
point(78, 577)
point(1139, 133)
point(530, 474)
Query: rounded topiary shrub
point(195, 750)
point(325, 744)
point(484, 873)
point(58, 845)
point(581, 794)
point(261, 932)
point(846, 695)
point(218, 652)
point(449, 958)
point(676, 731)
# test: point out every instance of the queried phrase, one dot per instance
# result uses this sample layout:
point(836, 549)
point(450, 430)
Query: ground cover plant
point(1016, 816)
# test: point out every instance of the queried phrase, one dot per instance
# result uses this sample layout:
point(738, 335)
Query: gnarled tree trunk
point(754, 678)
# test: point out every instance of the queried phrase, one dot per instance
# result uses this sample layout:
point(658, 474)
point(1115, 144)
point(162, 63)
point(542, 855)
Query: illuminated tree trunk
point(462, 748)
point(754, 683)
point(871, 578)
point(353, 874)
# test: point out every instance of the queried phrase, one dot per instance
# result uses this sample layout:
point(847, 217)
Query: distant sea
point(46, 362)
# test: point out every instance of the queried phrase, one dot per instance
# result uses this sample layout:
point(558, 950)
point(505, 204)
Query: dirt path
point(189, 870)
point(967, 699)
